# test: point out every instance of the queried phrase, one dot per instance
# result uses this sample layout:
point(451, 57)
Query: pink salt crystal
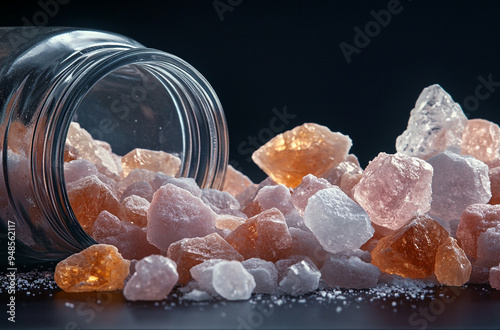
point(309, 148)
point(348, 272)
point(235, 181)
point(263, 236)
point(298, 277)
point(479, 273)
point(436, 124)
point(475, 220)
point(221, 202)
point(494, 174)
point(264, 273)
point(394, 188)
point(488, 246)
point(304, 243)
point(88, 149)
point(458, 181)
point(155, 161)
point(128, 238)
point(228, 222)
point(175, 214)
point(189, 252)
point(308, 187)
point(494, 277)
point(203, 275)
point(345, 175)
point(77, 169)
point(247, 195)
point(348, 182)
point(154, 278)
point(133, 177)
point(481, 139)
point(135, 210)
point(139, 188)
point(189, 184)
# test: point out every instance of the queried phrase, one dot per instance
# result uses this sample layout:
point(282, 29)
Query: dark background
point(262, 55)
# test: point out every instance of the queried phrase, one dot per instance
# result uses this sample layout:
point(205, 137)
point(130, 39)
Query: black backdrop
point(307, 58)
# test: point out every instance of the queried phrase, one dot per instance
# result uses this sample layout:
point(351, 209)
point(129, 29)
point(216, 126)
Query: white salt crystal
point(308, 187)
point(203, 275)
point(264, 273)
point(232, 281)
point(302, 277)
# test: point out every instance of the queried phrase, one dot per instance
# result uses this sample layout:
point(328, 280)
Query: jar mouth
point(134, 98)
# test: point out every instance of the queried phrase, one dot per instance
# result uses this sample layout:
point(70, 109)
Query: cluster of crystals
point(319, 219)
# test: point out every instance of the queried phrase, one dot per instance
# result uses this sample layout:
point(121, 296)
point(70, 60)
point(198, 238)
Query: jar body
point(118, 90)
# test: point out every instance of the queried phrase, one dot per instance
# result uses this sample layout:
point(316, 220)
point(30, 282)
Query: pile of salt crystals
point(319, 219)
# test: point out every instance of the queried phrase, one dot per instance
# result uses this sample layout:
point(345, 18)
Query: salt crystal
point(306, 244)
point(452, 266)
point(175, 214)
point(88, 197)
point(300, 278)
point(99, 267)
point(228, 222)
point(156, 161)
point(337, 221)
point(481, 139)
point(488, 246)
point(475, 220)
point(410, 251)
point(436, 124)
point(345, 175)
point(235, 182)
point(494, 277)
point(77, 169)
point(154, 278)
point(394, 189)
point(349, 272)
point(190, 252)
point(308, 187)
point(309, 148)
point(479, 273)
point(264, 273)
point(197, 295)
point(494, 175)
point(458, 181)
point(135, 210)
point(221, 202)
point(263, 236)
point(203, 275)
point(130, 240)
point(133, 177)
point(189, 184)
point(283, 264)
point(140, 188)
point(232, 281)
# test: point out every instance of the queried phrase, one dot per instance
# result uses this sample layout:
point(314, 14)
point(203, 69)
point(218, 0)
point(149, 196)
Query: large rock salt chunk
point(394, 189)
point(130, 240)
point(488, 246)
point(77, 169)
point(348, 272)
point(337, 221)
point(99, 267)
point(160, 179)
point(235, 182)
point(154, 278)
point(175, 214)
point(155, 161)
point(308, 187)
point(452, 266)
point(436, 124)
point(494, 277)
point(190, 252)
point(265, 236)
point(481, 139)
point(458, 182)
point(300, 278)
point(475, 220)
point(221, 202)
point(410, 251)
point(232, 281)
point(309, 148)
point(264, 273)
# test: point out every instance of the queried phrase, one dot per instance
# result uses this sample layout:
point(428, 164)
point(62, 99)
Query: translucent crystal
point(232, 281)
point(264, 236)
point(264, 273)
point(337, 221)
point(235, 181)
point(394, 189)
point(203, 275)
point(410, 251)
point(494, 277)
point(156, 161)
point(349, 272)
point(175, 214)
point(481, 139)
point(190, 252)
point(135, 210)
point(300, 278)
point(458, 181)
point(154, 278)
point(345, 175)
point(99, 267)
point(308, 187)
point(77, 169)
point(475, 220)
point(133, 177)
point(452, 266)
point(309, 148)
point(436, 124)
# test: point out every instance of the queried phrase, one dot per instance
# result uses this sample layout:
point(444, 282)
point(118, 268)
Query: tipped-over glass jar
point(120, 92)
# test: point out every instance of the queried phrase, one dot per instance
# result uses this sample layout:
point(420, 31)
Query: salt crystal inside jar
point(120, 92)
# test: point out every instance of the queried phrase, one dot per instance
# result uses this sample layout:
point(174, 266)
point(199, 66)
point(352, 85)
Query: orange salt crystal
point(229, 222)
point(265, 236)
point(99, 267)
point(189, 252)
point(88, 197)
point(452, 266)
point(155, 161)
point(481, 139)
point(235, 181)
point(306, 149)
point(410, 251)
point(252, 209)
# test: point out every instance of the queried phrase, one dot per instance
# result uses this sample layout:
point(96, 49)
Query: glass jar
point(120, 92)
